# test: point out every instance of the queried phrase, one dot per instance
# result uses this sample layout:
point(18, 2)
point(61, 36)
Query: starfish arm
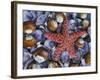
point(74, 36)
point(71, 52)
point(57, 53)
point(65, 27)
point(54, 37)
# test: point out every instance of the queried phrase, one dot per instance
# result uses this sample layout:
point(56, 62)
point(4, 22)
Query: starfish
point(65, 40)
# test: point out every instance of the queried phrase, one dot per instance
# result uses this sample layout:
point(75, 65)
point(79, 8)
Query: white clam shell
point(81, 41)
point(39, 59)
point(29, 37)
point(83, 15)
point(85, 23)
point(28, 31)
point(59, 18)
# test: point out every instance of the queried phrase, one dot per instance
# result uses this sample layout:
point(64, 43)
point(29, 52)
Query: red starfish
point(65, 40)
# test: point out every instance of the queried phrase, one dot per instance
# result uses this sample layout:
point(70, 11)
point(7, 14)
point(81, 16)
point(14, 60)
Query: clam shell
point(59, 17)
point(88, 58)
point(28, 27)
point(29, 42)
point(83, 15)
point(53, 64)
point(64, 57)
point(85, 24)
point(49, 44)
point(80, 43)
point(39, 59)
point(41, 52)
point(52, 25)
point(38, 34)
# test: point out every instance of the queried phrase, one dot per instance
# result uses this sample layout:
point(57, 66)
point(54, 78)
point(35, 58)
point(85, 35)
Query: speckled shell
point(28, 25)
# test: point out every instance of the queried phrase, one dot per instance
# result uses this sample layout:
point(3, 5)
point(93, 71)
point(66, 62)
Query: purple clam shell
point(27, 63)
point(26, 55)
point(41, 19)
point(38, 35)
point(64, 57)
point(29, 15)
point(49, 44)
point(84, 50)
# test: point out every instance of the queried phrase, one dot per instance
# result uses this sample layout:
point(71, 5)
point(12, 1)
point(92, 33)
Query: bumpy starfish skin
point(65, 40)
